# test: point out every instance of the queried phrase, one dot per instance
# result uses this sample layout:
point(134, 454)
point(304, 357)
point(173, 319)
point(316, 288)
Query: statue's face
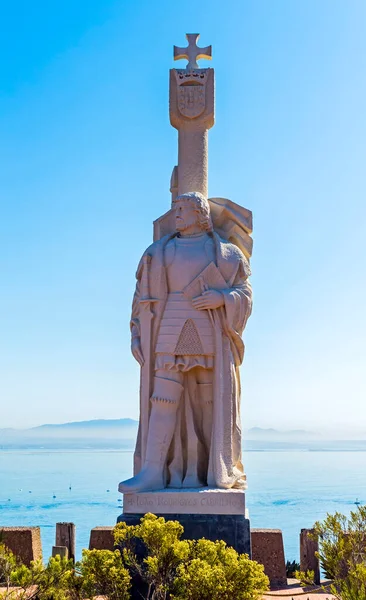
point(186, 215)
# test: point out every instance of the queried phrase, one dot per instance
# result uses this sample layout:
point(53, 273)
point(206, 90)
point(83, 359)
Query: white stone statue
point(190, 308)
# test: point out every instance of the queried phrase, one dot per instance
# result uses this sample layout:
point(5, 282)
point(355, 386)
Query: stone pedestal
point(208, 501)
point(24, 542)
point(101, 538)
point(61, 551)
point(66, 536)
point(308, 549)
point(267, 549)
point(206, 512)
point(232, 529)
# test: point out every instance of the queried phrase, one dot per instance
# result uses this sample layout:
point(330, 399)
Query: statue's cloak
point(225, 469)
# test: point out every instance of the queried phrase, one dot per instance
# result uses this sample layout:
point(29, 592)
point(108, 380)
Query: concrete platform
point(292, 590)
point(204, 501)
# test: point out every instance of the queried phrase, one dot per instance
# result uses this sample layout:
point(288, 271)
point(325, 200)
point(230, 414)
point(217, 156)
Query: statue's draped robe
point(225, 469)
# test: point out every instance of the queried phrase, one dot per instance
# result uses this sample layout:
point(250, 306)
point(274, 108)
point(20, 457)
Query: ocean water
point(289, 486)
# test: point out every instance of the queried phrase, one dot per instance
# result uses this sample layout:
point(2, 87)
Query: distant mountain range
point(98, 429)
point(274, 434)
point(94, 424)
point(108, 428)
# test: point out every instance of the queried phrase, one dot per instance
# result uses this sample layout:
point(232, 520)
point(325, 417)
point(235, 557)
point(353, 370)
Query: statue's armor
point(185, 338)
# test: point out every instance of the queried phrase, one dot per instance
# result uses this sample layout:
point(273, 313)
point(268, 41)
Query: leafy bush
point(216, 572)
point(44, 582)
point(8, 563)
point(103, 574)
point(100, 573)
point(342, 553)
point(292, 568)
point(187, 569)
point(164, 551)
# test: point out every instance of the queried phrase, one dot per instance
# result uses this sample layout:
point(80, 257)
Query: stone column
point(65, 536)
point(308, 548)
point(191, 109)
point(24, 542)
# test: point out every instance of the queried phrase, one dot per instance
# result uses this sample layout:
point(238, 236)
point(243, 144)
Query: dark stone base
point(233, 529)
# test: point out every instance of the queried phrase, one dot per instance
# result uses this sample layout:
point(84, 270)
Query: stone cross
point(191, 110)
point(192, 52)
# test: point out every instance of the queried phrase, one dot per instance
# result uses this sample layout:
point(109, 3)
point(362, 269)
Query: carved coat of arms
point(191, 100)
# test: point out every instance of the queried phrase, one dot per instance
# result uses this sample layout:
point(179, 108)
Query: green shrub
point(291, 568)
point(8, 563)
point(44, 582)
point(100, 573)
point(217, 572)
point(342, 553)
point(164, 552)
point(103, 574)
point(187, 569)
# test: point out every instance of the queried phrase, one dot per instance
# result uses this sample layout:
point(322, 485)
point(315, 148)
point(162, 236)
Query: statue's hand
point(136, 350)
point(209, 299)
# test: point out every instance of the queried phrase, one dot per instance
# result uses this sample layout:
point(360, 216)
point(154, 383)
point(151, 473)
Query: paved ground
point(295, 592)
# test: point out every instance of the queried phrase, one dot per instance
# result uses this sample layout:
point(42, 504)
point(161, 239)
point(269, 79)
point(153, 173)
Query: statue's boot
point(162, 422)
point(205, 391)
point(176, 463)
point(197, 469)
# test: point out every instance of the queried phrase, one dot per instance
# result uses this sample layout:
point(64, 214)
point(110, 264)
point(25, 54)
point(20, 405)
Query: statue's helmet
point(201, 205)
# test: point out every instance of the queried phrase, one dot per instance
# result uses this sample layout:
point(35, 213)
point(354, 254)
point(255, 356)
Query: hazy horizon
point(126, 428)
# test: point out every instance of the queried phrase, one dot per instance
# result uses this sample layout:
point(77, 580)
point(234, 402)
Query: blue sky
point(86, 153)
